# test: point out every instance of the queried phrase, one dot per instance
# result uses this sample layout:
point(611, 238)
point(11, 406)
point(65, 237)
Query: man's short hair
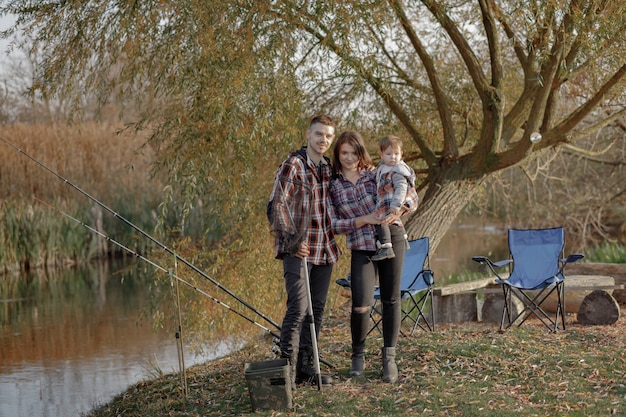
point(323, 119)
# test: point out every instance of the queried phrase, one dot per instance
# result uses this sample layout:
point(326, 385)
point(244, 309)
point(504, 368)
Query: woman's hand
point(392, 217)
point(367, 219)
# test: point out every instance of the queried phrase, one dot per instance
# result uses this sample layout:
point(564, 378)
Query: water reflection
point(75, 340)
point(467, 237)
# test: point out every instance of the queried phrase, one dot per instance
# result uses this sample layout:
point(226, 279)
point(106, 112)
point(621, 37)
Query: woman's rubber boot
point(358, 362)
point(390, 370)
point(359, 326)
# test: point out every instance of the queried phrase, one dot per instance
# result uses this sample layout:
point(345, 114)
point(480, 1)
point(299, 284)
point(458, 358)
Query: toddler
point(393, 178)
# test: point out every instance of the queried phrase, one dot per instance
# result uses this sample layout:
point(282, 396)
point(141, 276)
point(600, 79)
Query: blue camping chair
point(416, 289)
point(536, 271)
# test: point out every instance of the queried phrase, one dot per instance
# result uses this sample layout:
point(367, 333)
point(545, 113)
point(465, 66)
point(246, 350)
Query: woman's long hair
point(352, 138)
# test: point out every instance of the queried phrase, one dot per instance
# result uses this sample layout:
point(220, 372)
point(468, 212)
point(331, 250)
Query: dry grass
point(111, 166)
point(466, 369)
point(93, 155)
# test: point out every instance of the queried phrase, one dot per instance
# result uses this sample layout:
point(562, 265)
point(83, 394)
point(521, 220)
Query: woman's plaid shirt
point(351, 201)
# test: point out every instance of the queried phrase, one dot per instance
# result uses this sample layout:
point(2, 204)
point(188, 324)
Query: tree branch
point(518, 47)
point(545, 104)
point(592, 156)
point(378, 86)
point(471, 61)
point(601, 123)
point(450, 149)
point(400, 72)
point(491, 31)
point(581, 112)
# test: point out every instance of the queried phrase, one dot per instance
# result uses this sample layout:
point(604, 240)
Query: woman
point(353, 193)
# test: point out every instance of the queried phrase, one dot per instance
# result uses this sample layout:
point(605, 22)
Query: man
point(302, 228)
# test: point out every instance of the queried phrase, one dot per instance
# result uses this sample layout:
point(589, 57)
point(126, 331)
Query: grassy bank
point(467, 369)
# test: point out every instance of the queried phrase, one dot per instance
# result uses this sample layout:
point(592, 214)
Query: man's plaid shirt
point(298, 175)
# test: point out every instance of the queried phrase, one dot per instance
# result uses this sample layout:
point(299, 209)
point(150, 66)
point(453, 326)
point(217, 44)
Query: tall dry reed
point(113, 167)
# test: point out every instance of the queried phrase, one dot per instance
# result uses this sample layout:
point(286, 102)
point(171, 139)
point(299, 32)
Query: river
point(468, 237)
point(73, 340)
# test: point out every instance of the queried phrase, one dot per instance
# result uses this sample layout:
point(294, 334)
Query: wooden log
point(599, 307)
point(463, 287)
point(577, 287)
point(617, 271)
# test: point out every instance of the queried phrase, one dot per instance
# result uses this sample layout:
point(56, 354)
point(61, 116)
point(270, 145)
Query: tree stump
point(494, 305)
point(455, 308)
point(599, 307)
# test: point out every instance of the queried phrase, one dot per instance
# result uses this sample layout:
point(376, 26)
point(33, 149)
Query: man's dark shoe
point(304, 378)
point(305, 372)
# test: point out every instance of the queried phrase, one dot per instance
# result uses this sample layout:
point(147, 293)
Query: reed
point(113, 166)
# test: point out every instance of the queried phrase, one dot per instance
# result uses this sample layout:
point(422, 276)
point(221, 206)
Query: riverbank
point(461, 369)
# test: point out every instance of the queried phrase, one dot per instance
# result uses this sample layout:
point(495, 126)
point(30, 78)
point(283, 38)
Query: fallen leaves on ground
point(462, 369)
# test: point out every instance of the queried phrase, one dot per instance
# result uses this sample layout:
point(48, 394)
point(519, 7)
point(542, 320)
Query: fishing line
point(141, 231)
point(157, 266)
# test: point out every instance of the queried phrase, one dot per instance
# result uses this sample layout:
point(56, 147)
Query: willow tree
point(221, 83)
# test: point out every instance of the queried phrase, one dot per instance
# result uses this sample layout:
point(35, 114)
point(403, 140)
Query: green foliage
point(93, 158)
point(607, 253)
point(35, 236)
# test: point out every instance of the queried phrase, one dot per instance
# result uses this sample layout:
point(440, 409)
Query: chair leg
point(432, 310)
point(506, 308)
point(532, 306)
point(376, 317)
point(561, 300)
point(418, 306)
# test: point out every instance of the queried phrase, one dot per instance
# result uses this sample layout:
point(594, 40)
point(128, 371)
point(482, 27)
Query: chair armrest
point(573, 258)
point(484, 259)
point(492, 265)
point(502, 263)
point(428, 276)
point(480, 259)
point(344, 282)
point(570, 258)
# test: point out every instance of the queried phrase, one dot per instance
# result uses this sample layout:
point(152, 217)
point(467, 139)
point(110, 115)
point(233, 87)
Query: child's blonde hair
point(390, 141)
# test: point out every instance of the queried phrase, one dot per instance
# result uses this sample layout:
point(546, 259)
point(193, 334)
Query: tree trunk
point(439, 209)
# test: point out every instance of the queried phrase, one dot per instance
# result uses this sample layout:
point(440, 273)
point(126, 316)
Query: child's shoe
point(383, 253)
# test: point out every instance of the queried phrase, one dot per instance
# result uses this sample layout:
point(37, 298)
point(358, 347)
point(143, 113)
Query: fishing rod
point(141, 231)
point(179, 333)
point(172, 275)
point(155, 265)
